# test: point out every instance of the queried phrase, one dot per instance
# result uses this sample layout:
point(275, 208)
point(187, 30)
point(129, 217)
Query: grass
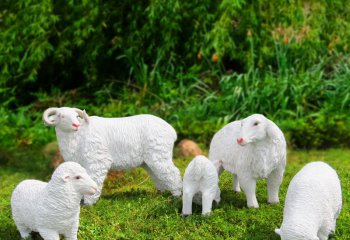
point(131, 208)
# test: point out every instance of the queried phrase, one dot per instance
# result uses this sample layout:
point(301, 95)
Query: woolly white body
point(312, 205)
point(52, 208)
point(261, 154)
point(201, 177)
point(100, 144)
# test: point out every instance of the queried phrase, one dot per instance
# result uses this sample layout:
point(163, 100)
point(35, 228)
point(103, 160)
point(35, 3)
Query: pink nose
point(240, 140)
point(75, 125)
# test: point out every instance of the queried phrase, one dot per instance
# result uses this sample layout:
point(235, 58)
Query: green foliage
point(198, 64)
point(208, 103)
point(22, 128)
point(319, 131)
point(312, 108)
point(54, 42)
point(131, 208)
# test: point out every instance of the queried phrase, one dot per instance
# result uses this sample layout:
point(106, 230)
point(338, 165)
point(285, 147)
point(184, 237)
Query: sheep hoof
point(273, 202)
point(176, 194)
point(208, 214)
point(185, 215)
point(88, 202)
point(253, 205)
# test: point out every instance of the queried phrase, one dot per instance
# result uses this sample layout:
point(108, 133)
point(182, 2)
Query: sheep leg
point(217, 196)
point(166, 175)
point(322, 235)
point(207, 203)
point(98, 171)
point(156, 181)
point(24, 231)
point(332, 228)
point(48, 234)
point(327, 228)
point(236, 186)
point(187, 202)
point(72, 234)
point(248, 185)
point(274, 181)
point(220, 169)
point(71, 237)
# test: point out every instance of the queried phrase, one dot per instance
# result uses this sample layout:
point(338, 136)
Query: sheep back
point(313, 199)
point(126, 141)
point(24, 203)
point(201, 176)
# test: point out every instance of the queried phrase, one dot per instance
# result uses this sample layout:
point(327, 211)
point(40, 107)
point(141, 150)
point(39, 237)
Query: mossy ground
point(131, 208)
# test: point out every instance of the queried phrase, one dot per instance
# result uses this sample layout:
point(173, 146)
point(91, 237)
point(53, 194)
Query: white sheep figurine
point(250, 149)
point(201, 177)
point(100, 144)
point(312, 205)
point(52, 208)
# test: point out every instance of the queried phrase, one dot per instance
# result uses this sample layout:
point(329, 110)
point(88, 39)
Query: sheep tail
point(197, 169)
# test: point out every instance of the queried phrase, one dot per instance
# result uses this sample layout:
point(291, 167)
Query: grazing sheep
point(201, 177)
point(250, 149)
point(52, 208)
point(100, 144)
point(313, 203)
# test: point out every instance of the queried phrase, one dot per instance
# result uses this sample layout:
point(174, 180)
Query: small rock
point(189, 148)
point(113, 175)
point(57, 160)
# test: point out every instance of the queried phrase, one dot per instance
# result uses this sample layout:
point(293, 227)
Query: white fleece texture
point(201, 177)
point(52, 208)
point(250, 149)
point(100, 144)
point(312, 205)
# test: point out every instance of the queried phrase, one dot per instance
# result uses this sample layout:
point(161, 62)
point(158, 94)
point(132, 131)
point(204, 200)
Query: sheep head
point(75, 177)
point(253, 129)
point(65, 118)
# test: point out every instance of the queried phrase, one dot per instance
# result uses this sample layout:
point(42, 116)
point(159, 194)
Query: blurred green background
point(197, 64)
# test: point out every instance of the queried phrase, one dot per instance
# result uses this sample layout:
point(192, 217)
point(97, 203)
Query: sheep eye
point(77, 177)
point(256, 123)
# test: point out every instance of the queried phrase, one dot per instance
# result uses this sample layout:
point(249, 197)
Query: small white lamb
point(312, 205)
point(201, 177)
point(100, 144)
point(52, 208)
point(250, 149)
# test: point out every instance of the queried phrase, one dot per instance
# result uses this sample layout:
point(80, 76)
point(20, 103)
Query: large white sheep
point(52, 208)
point(312, 205)
point(250, 149)
point(201, 177)
point(100, 144)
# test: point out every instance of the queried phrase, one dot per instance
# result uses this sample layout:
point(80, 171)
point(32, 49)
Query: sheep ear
point(66, 178)
point(82, 114)
point(271, 130)
point(85, 116)
point(278, 231)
